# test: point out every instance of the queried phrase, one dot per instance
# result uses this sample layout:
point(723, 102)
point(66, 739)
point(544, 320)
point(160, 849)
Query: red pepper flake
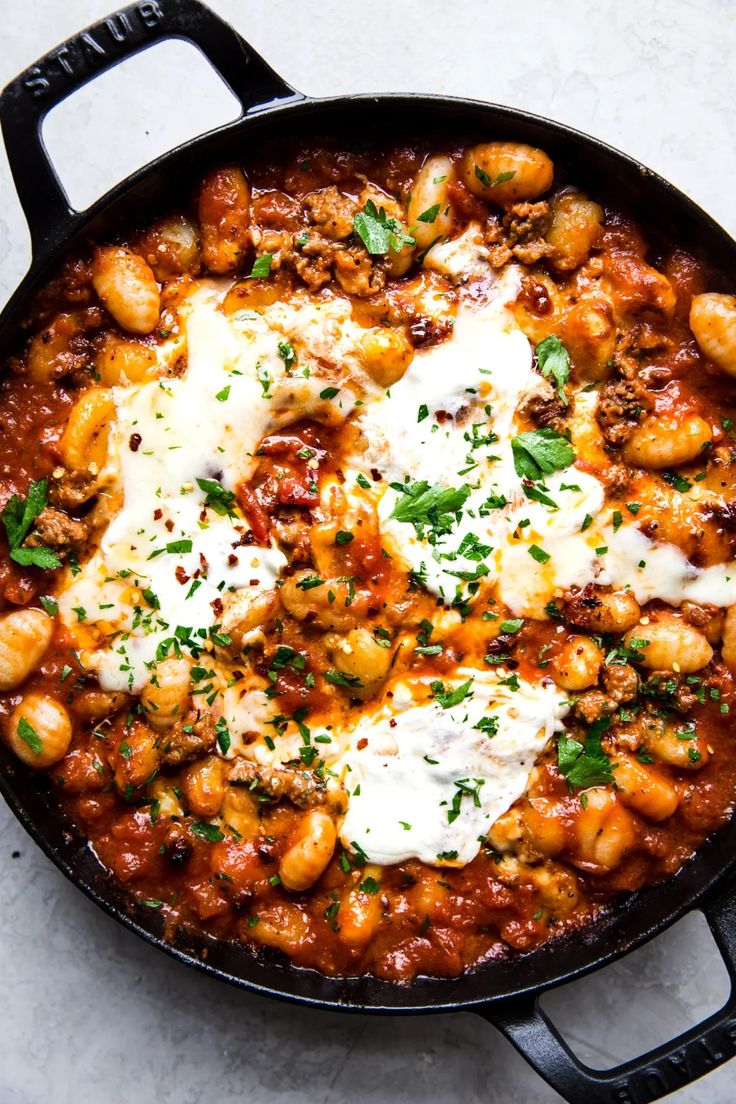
point(158, 514)
point(216, 604)
point(135, 442)
point(392, 722)
point(255, 582)
point(232, 560)
point(362, 743)
point(376, 475)
point(169, 525)
point(181, 575)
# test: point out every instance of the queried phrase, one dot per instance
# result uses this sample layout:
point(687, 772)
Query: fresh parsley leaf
point(430, 214)
point(378, 231)
point(554, 361)
point(585, 764)
point(19, 513)
point(434, 508)
point(329, 393)
point(309, 582)
point(222, 396)
point(511, 626)
point(151, 598)
point(541, 451)
point(50, 605)
point(287, 354)
point(29, 736)
point(337, 678)
point(679, 482)
point(486, 181)
point(483, 176)
point(489, 725)
point(207, 832)
point(448, 698)
point(538, 554)
point(466, 787)
point(223, 735)
point(261, 269)
point(343, 536)
point(216, 497)
point(533, 492)
point(36, 557)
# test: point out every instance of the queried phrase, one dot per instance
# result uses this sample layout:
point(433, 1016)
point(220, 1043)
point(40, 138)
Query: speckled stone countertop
point(90, 1013)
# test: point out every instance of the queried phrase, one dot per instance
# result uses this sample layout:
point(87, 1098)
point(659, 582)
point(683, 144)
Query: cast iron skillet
point(505, 992)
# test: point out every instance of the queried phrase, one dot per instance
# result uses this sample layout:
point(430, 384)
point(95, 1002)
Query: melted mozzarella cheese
point(423, 430)
point(659, 570)
point(205, 424)
point(408, 762)
point(462, 258)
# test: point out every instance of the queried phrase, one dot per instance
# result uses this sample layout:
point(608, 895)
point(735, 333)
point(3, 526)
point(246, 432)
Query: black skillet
point(505, 992)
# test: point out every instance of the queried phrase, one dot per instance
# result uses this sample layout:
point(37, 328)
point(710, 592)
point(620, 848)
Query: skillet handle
point(650, 1076)
point(27, 100)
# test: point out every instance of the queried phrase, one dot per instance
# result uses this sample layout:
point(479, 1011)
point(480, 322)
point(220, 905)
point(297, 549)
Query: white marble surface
point(88, 1012)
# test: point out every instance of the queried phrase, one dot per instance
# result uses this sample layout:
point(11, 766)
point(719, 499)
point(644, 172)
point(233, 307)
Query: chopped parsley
point(486, 181)
point(677, 481)
point(216, 497)
point(338, 678)
point(18, 515)
point(223, 735)
point(585, 764)
point(207, 832)
point(554, 362)
point(448, 698)
point(489, 725)
point(261, 269)
point(538, 554)
point(430, 214)
point(540, 452)
point(287, 354)
point(29, 736)
point(465, 787)
point(434, 508)
point(378, 231)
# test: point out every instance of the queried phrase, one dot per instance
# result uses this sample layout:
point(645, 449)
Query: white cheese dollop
point(427, 783)
point(204, 424)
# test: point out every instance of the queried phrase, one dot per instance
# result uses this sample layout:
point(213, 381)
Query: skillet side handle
point(650, 1076)
point(27, 100)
